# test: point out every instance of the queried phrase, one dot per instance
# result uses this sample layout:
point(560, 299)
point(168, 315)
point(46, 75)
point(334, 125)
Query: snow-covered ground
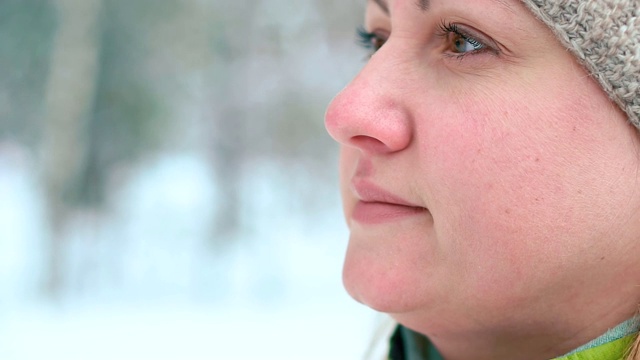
point(144, 282)
point(185, 331)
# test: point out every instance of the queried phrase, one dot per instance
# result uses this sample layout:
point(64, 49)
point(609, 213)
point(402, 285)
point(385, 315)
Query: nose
point(369, 114)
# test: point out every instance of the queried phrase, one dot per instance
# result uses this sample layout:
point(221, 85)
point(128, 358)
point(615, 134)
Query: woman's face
point(485, 177)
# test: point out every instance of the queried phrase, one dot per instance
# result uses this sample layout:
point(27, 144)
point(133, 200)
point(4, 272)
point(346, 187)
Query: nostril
point(369, 144)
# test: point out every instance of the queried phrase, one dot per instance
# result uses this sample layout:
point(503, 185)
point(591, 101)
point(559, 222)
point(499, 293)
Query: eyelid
point(381, 34)
point(365, 38)
point(477, 35)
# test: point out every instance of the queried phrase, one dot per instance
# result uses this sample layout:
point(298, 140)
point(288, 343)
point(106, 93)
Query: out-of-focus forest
point(167, 188)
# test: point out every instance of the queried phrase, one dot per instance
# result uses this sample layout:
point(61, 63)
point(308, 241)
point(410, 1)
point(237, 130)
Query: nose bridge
point(369, 113)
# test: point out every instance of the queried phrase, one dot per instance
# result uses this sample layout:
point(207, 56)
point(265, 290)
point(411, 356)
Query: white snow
point(144, 282)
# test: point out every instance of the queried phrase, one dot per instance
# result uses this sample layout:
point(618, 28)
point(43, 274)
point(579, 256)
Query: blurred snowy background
point(167, 190)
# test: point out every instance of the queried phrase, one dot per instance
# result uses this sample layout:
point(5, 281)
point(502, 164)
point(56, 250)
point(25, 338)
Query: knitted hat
point(605, 37)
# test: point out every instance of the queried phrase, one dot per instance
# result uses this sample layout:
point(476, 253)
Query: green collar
point(614, 350)
point(409, 345)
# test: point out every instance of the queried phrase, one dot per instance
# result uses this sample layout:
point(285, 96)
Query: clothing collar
point(612, 345)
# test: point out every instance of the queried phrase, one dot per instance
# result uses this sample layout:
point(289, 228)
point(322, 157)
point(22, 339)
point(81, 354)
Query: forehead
point(424, 5)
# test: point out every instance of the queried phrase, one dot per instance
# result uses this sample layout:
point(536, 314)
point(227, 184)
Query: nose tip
point(368, 117)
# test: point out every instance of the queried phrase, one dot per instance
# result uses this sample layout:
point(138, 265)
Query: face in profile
point(487, 180)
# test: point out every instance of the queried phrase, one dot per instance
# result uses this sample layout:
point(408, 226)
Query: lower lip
point(380, 212)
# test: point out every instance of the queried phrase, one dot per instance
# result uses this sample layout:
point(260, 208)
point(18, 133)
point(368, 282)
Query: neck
point(517, 345)
point(564, 327)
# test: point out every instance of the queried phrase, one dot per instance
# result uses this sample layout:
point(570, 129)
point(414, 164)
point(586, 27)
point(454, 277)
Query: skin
point(528, 244)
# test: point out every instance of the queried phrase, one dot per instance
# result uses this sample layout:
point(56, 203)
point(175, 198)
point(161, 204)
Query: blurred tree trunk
point(69, 96)
point(230, 145)
point(228, 159)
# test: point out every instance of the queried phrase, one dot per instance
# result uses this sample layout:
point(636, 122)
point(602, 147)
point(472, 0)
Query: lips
point(376, 205)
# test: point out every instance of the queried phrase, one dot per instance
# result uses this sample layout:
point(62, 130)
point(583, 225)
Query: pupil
point(459, 44)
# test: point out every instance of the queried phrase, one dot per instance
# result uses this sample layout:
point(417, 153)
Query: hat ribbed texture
point(605, 36)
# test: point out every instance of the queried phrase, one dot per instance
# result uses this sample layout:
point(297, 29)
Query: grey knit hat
point(605, 36)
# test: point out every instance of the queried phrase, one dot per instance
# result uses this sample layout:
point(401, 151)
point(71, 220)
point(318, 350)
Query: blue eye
point(464, 44)
point(460, 42)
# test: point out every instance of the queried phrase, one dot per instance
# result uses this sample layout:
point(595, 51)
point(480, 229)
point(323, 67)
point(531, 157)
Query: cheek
point(512, 185)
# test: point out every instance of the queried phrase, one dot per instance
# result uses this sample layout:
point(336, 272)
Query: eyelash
point(370, 41)
point(373, 42)
point(447, 29)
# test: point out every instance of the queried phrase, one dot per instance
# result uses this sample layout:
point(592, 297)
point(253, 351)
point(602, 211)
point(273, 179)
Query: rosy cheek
point(493, 172)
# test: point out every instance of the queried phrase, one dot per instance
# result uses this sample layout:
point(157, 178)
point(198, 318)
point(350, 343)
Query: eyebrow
point(424, 5)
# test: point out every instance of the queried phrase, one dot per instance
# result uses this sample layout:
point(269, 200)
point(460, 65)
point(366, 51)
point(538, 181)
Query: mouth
point(376, 205)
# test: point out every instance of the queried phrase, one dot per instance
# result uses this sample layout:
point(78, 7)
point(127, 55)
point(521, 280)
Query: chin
point(381, 287)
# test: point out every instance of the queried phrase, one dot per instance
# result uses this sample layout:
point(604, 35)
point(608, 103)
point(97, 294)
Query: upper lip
point(369, 192)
